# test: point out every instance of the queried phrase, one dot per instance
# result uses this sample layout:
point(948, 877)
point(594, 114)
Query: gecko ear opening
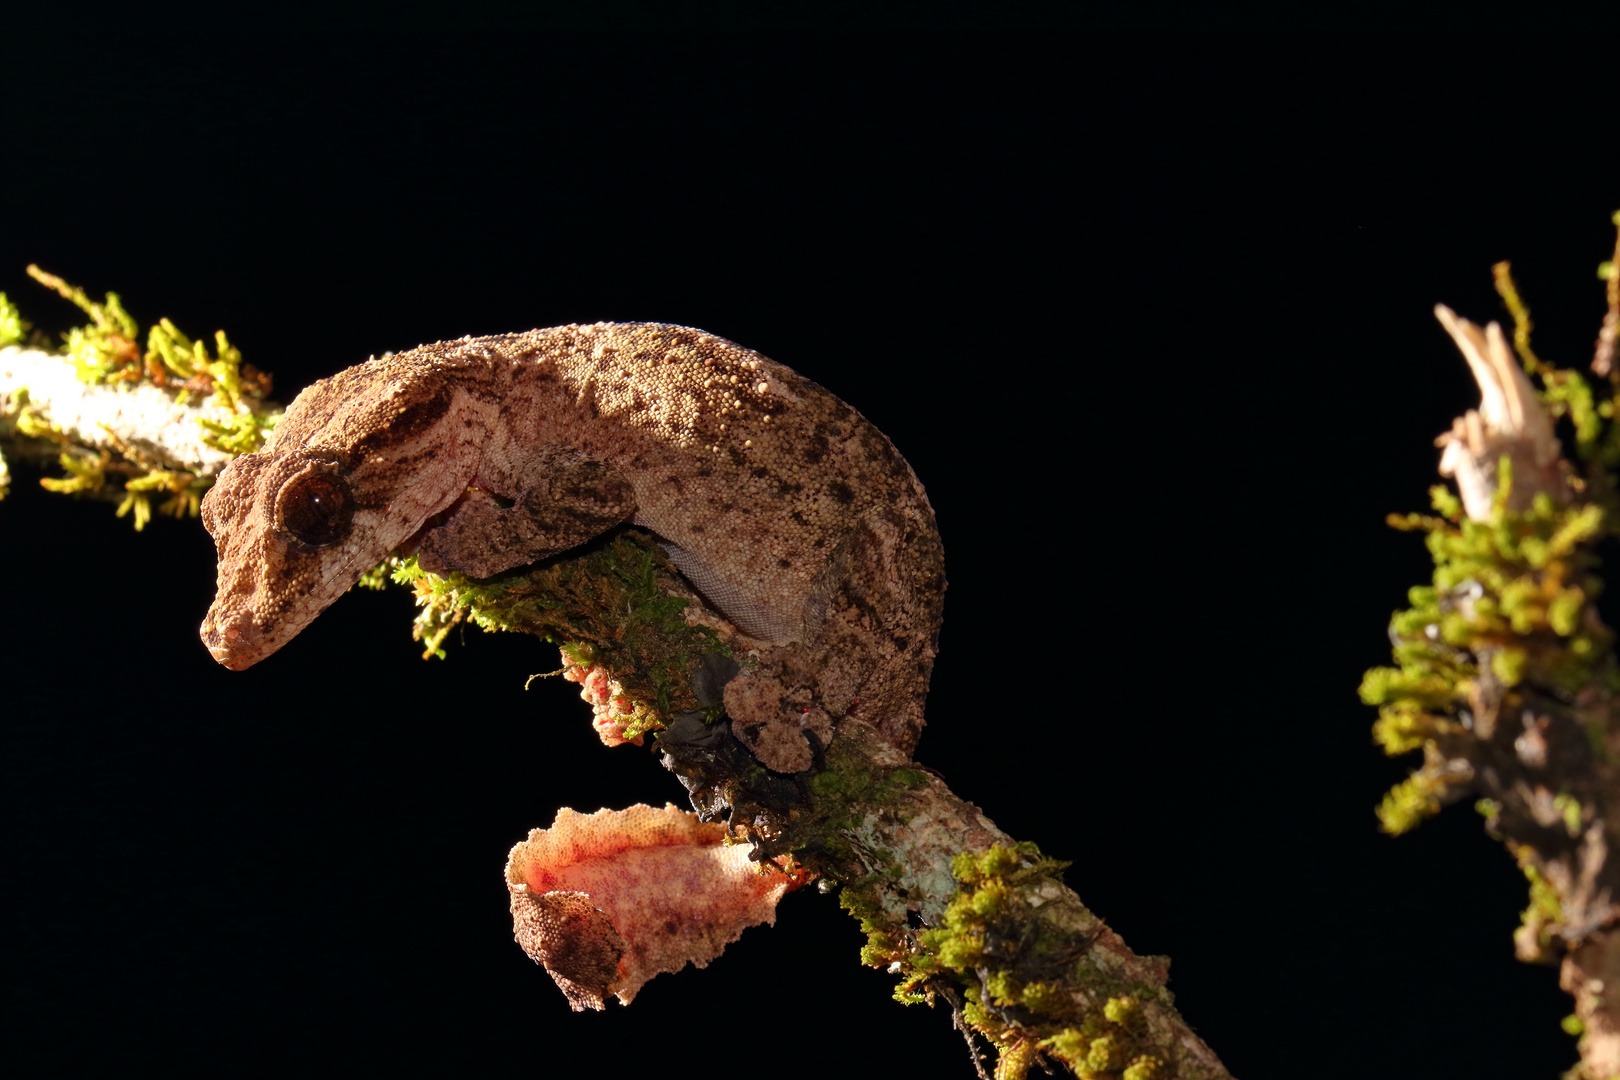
point(314, 507)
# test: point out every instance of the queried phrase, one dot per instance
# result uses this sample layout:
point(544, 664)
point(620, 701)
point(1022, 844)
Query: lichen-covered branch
point(1506, 676)
point(125, 423)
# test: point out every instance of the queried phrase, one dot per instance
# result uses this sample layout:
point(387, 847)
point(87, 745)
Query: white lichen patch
point(142, 418)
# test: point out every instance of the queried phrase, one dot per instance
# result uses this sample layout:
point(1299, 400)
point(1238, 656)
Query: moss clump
point(1511, 602)
point(12, 327)
point(886, 937)
point(106, 348)
point(1023, 985)
point(1145, 1067)
point(611, 603)
point(1533, 941)
point(183, 491)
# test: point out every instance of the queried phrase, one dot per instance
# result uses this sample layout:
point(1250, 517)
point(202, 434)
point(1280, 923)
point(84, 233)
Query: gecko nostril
point(227, 637)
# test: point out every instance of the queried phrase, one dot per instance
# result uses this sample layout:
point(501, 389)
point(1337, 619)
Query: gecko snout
point(231, 644)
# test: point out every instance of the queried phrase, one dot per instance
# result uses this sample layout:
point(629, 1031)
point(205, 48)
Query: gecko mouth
point(233, 645)
point(224, 656)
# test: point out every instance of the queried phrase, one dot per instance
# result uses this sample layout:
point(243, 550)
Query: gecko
point(788, 512)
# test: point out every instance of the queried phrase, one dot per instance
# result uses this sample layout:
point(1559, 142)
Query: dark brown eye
point(315, 509)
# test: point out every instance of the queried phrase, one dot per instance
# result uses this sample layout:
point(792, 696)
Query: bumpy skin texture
point(795, 517)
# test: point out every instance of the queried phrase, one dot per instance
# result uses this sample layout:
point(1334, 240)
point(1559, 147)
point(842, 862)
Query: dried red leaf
point(605, 901)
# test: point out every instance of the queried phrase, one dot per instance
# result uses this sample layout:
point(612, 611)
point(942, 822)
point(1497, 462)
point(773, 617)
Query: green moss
point(1508, 664)
point(1513, 596)
point(170, 354)
point(1104, 1054)
point(1122, 1010)
point(86, 472)
point(1015, 1061)
point(378, 577)
point(885, 932)
point(909, 778)
point(1544, 903)
point(1145, 1067)
point(184, 491)
point(1543, 917)
point(106, 347)
point(989, 900)
point(848, 785)
point(1069, 1045)
point(1409, 687)
point(1409, 802)
point(242, 433)
point(1569, 809)
point(1404, 726)
point(1033, 995)
point(607, 605)
point(12, 327)
point(1004, 988)
point(1043, 997)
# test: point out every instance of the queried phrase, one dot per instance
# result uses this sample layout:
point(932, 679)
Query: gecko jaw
point(223, 655)
point(232, 645)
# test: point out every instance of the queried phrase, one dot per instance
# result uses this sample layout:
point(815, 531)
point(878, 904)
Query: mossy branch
point(148, 429)
point(1505, 677)
point(961, 914)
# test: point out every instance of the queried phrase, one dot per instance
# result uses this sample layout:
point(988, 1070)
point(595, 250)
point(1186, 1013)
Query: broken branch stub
point(1509, 422)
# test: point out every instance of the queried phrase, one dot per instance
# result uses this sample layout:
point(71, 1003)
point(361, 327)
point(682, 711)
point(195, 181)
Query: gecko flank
point(795, 517)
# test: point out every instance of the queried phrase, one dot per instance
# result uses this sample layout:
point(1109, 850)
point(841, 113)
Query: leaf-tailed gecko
point(792, 515)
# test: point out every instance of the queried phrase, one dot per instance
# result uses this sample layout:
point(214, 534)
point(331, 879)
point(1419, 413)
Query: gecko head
point(291, 536)
point(293, 529)
point(356, 466)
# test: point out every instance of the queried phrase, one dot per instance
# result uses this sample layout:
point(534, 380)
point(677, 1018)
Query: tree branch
point(949, 903)
point(1506, 678)
point(952, 906)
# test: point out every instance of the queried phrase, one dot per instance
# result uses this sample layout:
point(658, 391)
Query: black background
point(1148, 314)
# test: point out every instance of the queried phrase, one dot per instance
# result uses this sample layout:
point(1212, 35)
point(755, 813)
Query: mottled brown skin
point(793, 516)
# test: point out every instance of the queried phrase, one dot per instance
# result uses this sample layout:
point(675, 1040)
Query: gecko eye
point(314, 509)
